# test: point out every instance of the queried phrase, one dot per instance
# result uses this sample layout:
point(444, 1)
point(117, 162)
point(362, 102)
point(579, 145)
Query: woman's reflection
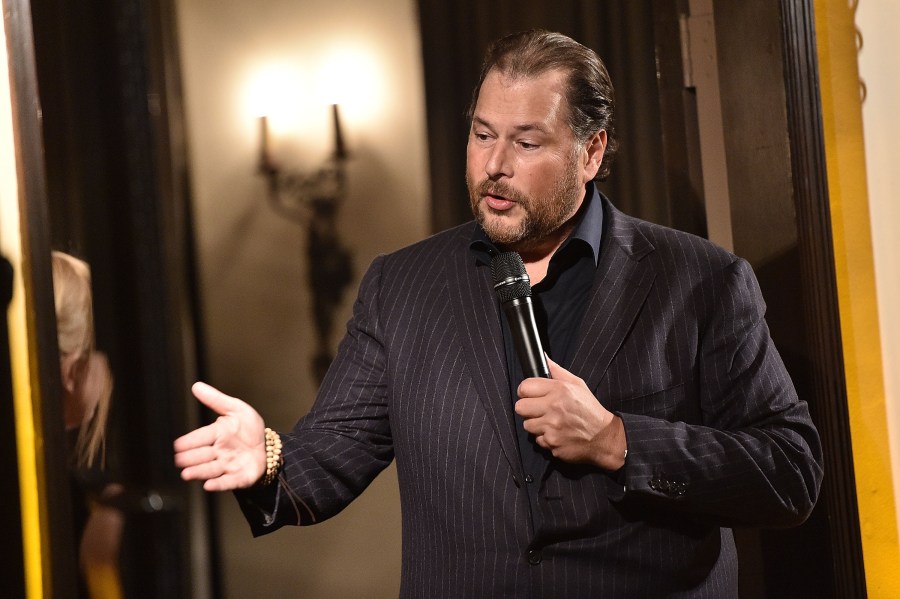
point(87, 388)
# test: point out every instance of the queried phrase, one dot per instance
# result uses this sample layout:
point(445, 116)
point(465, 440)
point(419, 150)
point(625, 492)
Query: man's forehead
point(551, 78)
point(536, 99)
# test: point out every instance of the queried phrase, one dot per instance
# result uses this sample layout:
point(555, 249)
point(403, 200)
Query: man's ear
point(594, 149)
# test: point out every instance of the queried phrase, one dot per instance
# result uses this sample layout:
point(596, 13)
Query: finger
point(530, 407)
point(214, 399)
point(215, 484)
point(229, 481)
point(534, 426)
point(535, 387)
point(204, 471)
point(203, 436)
point(192, 457)
point(559, 373)
point(226, 483)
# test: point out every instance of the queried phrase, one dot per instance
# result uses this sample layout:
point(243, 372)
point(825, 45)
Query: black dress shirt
point(559, 303)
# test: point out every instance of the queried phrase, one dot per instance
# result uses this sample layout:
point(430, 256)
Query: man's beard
point(542, 217)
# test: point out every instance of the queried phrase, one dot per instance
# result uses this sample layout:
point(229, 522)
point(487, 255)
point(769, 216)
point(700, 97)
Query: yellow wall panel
point(11, 248)
point(854, 265)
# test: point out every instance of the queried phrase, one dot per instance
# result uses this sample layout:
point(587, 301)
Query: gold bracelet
point(274, 460)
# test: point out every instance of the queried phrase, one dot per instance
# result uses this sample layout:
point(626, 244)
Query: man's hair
point(589, 91)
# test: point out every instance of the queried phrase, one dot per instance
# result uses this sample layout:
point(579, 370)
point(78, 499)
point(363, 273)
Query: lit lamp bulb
point(337, 86)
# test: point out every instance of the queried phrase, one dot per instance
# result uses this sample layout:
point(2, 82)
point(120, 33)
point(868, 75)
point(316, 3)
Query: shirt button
point(534, 557)
point(529, 479)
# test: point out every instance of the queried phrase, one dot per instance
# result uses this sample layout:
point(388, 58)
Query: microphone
point(514, 289)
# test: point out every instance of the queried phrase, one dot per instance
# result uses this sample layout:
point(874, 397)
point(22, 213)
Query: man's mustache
point(499, 188)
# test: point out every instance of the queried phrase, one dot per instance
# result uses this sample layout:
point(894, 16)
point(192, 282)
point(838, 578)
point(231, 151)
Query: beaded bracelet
point(274, 460)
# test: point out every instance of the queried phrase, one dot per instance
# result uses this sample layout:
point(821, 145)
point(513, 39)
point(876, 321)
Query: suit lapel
point(621, 286)
point(477, 315)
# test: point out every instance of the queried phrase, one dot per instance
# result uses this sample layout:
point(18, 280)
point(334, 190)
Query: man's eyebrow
point(535, 126)
point(477, 120)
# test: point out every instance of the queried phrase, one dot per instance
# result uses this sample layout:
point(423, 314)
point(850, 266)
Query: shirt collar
point(588, 229)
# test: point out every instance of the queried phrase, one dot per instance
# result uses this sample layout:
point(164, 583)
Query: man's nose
point(498, 163)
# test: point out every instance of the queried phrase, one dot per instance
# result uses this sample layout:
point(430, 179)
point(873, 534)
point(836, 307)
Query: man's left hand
point(566, 419)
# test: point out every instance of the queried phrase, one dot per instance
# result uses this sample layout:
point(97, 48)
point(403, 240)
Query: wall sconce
point(312, 199)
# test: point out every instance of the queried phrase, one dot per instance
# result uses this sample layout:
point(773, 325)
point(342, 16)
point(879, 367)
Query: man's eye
point(482, 136)
point(527, 145)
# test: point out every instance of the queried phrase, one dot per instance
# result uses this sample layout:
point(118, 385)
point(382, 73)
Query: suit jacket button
point(529, 479)
point(534, 557)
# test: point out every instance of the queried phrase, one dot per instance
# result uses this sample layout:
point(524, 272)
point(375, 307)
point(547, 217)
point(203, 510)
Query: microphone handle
point(520, 316)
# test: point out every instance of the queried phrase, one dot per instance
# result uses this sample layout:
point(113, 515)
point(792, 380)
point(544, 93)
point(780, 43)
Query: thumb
point(558, 373)
point(214, 399)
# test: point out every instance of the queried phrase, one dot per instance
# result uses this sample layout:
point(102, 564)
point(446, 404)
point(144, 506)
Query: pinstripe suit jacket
point(673, 340)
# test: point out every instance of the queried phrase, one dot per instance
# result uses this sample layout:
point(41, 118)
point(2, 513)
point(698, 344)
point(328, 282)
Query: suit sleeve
point(755, 459)
point(335, 451)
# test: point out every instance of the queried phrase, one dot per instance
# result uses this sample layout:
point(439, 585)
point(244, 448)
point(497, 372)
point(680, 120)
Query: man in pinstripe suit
point(669, 417)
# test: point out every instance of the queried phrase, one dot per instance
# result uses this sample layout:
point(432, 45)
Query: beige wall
point(254, 299)
point(879, 63)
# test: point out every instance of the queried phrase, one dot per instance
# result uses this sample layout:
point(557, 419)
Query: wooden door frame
point(57, 566)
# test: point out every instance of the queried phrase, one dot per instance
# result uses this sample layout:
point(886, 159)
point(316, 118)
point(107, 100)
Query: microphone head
point(510, 279)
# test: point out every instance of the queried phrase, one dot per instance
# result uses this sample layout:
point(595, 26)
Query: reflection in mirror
point(87, 389)
point(117, 197)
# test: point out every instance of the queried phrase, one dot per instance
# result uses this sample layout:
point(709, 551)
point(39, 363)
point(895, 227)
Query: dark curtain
point(454, 38)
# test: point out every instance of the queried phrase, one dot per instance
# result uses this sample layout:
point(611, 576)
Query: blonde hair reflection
point(87, 380)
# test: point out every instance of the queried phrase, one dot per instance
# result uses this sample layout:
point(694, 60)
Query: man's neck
point(537, 255)
point(537, 258)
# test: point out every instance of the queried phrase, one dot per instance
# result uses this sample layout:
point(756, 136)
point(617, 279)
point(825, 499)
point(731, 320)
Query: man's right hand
point(228, 454)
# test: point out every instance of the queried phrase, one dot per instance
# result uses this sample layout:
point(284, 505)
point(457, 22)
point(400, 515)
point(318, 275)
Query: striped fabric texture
point(673, 340)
